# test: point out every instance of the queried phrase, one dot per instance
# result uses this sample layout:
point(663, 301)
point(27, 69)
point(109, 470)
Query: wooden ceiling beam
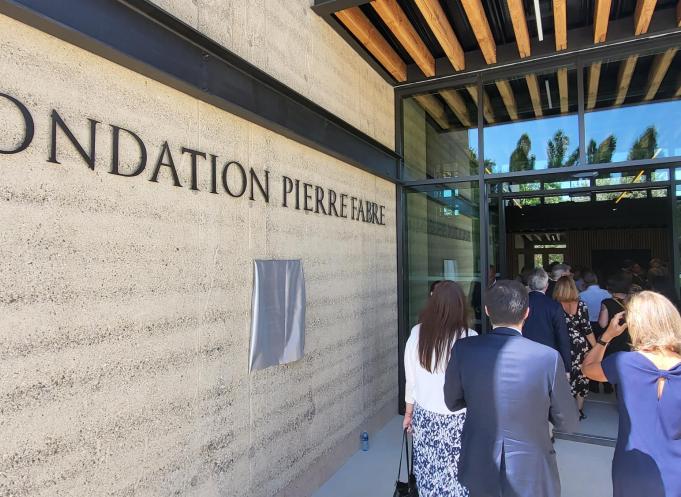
point(519, 21)
point(487, 104)
point(358, 24)
point(434, 108)
point(535, 94)
point(678, 14)
point(560, 23)
point(626, 71)
point(601, 19)
point(658, 71)
point(398, 22)
point(507, 96)
point(458, 106)
point(642, 15)
point(439, 24)
point(478, 21)
point(592, 85)
point(563, 90)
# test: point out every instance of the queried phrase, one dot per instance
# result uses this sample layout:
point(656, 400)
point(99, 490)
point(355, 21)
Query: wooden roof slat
point(658, 71)
point(678, 14)
point(458, 106)
point(487, 104)
point(398, 22)
point(358, 24)
point(626, 71)
point(478, 21)
point(507, 96)
point(434, 108)
point(592, 85)
point(642, 15)
point(601, 18)
point(437, 20)
point(560, 23)
point(519, 21)
point(563, 89)
point(535, 95)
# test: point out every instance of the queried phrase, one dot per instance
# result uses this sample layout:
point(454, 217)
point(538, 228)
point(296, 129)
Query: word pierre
point(232, 177)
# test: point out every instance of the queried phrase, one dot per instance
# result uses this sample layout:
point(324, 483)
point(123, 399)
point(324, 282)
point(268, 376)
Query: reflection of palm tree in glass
point(490, 165)
point(521, 160)
point(602, 153)
point(556, 149)
point(644, 147)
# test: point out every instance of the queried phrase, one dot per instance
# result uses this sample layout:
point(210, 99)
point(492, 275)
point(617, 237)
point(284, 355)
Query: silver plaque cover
point(278, 313)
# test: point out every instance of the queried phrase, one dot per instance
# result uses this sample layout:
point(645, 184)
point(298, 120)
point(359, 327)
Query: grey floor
point(584, 468)
point(601, 412)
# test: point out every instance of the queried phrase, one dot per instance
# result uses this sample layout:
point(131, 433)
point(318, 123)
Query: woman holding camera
point(647, 459)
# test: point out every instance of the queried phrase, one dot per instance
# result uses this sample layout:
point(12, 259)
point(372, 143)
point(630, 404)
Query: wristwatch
point(604, 344)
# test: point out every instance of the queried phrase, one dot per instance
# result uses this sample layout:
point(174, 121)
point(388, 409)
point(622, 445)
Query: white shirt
point(423, 387)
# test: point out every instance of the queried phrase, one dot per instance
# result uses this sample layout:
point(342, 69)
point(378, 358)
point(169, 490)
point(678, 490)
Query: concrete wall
point(287, 40)
point(125, 304)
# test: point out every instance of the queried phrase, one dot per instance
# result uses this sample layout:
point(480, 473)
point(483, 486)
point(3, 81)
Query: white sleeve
point(410, 368)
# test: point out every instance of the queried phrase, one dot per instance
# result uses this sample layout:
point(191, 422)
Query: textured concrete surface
point(584, 468)
point(287, 40)
point(125, 304)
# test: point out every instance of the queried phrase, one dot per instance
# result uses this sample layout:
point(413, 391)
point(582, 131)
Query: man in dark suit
point(546, 323)
point(512, 388)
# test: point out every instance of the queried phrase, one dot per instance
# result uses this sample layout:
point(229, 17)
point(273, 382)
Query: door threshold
point(587, 439)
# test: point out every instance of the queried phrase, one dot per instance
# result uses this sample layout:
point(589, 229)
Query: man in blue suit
point(546, 323)
point(512, 388)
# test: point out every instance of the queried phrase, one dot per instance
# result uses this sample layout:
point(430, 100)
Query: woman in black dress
point(581, 336)
point(619, 287)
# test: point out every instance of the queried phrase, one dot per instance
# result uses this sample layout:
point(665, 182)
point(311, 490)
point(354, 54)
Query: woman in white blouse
point(436, 430)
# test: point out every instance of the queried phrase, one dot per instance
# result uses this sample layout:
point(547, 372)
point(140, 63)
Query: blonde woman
point(647, 459)
point(581, 336)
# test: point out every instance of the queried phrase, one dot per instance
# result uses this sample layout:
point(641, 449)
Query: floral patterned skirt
point(437, 445)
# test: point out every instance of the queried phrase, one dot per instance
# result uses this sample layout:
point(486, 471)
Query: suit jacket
point(512, 387)
point(546, 325)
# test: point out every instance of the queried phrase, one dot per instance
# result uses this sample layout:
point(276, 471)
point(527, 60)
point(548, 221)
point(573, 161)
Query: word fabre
point(225, 176)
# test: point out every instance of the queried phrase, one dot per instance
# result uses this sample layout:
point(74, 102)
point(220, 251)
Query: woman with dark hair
point(660, 282)
point(619, 287)
point(436, 430)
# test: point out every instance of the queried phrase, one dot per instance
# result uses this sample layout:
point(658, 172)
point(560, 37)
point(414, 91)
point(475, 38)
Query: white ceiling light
point(537, 17)
point(548, 93)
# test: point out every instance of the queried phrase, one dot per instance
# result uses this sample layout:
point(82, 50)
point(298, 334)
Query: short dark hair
point(620, 283)
point(589, 278)
point(507, 302)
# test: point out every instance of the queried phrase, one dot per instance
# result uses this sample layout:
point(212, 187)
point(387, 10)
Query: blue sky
point(626, 123)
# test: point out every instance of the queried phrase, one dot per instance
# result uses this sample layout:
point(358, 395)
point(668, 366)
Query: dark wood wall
point(580, 244)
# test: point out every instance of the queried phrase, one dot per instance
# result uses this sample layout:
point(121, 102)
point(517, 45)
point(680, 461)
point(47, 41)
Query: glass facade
point(441, 134)
point(442, 241)
point(591, 136)
point(534, 122)
point(632, 108)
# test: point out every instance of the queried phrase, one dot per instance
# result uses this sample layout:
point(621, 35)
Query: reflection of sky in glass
point(628, 123)
point(501, 141)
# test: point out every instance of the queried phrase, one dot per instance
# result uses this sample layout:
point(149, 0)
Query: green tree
point(574, 158)
point(489, 164)
point(644, 147)
point(600, 154)
point(521, 160)
point(556, 148)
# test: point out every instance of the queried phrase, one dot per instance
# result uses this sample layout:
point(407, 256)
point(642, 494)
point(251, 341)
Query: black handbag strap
point(405, 444)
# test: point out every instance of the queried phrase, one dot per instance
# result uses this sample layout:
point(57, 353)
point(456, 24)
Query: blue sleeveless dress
point(647, 461)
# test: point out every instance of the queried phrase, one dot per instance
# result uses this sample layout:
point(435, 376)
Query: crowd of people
point(482, 408)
